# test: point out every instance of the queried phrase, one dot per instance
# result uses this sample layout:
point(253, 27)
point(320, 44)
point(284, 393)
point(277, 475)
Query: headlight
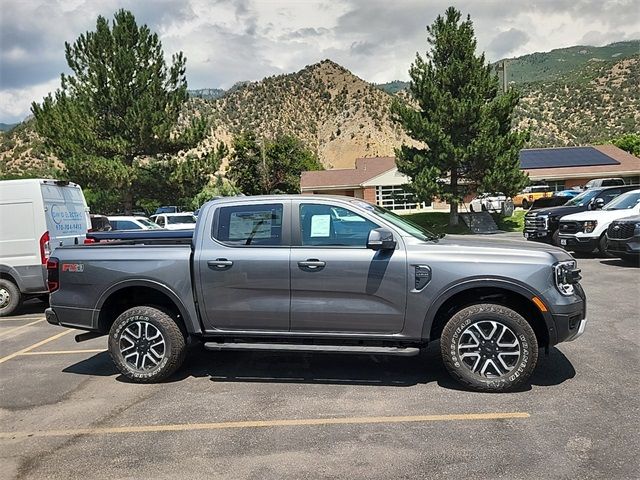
point(590, 226)
point(566, 275)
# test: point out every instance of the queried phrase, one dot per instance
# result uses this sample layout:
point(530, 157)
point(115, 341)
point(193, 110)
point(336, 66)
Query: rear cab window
point(249, 225)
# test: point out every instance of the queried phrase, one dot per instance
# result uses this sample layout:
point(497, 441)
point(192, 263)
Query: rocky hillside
point(337, 114)
point(343, 117)
point(599, 101)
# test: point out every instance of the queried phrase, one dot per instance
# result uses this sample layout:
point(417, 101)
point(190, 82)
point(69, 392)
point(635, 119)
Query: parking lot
point(66, 412)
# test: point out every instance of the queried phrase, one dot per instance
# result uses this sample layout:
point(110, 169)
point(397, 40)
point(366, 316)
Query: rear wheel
point(555, 238)
point(525, 204)
point(471, 209)
point(10, 297)
point(489, 348)
point(146, 344)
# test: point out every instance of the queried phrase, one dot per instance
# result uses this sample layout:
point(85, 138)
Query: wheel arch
point(9, 273)
point(487, 290)
point(133, 293)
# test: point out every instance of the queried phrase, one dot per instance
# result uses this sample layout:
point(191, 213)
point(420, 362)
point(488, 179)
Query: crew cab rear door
point(242, 266)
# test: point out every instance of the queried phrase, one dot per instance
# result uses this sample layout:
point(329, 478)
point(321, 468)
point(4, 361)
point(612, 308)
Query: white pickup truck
point(586, 231)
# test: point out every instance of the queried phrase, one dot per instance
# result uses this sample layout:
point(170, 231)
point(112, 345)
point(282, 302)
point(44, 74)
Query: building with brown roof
point(377, 179)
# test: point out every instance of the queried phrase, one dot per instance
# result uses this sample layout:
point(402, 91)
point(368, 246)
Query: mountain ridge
point(343, 117)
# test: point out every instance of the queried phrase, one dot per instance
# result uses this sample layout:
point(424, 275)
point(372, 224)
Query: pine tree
point(460, 120)
point(119, 111)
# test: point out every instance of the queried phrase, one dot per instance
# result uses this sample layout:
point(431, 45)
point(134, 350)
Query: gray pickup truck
point(314, 273)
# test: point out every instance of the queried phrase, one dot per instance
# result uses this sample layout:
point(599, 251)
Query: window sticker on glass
point(320, 226)
point(254, 225)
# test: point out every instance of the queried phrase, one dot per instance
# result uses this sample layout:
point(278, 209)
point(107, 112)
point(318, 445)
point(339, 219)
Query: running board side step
point(289, 347)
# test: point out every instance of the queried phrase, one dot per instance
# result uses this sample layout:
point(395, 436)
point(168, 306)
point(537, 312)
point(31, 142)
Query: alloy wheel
point(489, 349)
point(142, 346)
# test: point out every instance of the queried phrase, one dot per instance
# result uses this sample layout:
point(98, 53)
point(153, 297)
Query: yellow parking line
point(264, 423)
point(7, 332)
point(64, 352)
point(35, 345)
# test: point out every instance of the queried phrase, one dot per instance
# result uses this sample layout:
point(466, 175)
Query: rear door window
point(250, 225)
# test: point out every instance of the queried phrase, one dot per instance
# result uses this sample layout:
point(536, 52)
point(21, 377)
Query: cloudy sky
point(226, 41)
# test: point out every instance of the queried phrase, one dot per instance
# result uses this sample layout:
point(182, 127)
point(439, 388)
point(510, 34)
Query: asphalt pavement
point(67, 413)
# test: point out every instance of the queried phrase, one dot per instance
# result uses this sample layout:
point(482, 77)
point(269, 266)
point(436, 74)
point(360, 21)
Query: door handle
point(312, 264)
point(220, 263)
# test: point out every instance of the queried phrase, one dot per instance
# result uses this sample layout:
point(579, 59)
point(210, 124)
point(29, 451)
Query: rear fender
point(187, 311)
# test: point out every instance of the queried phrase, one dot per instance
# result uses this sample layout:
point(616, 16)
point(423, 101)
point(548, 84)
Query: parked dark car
point(546, 202)
point(542, 225)
point(623, 239)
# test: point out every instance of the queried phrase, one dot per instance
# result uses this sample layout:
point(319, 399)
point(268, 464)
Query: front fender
point(509, 284)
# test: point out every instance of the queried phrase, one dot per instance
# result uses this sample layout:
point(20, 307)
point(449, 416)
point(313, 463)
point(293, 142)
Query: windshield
point(623, 202)
point(583, 199)
point(147, 223)
point(408, 226)
point(174, 219)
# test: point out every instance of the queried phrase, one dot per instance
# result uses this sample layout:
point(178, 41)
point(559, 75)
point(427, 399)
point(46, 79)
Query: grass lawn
point(438, 222)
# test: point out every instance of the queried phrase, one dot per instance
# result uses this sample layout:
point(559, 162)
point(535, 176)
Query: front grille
point(570, 227)
point(621, 230)
point(532, 222)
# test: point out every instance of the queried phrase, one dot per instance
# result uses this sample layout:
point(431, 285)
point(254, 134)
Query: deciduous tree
point(269, 166)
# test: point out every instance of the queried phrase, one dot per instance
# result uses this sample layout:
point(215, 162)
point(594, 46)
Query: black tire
point(555, 238)
point(497, 377)
point(152, 319)
point(10, 297)
point(484, 208)
point(525, 204)
point(602, 246)
point(471, 208)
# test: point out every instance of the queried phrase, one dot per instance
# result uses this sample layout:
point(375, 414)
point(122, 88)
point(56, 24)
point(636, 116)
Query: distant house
point(377, 179)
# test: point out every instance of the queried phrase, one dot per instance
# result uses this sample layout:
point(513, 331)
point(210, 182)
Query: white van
point(36, 216)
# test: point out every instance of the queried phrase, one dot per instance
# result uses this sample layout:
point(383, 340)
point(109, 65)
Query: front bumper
point(578, 244)
point(629, 246)
point(570, 319)
point(538, 235)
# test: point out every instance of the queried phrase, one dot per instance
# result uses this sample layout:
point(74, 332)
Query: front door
point(339, 285)
point(243, 267)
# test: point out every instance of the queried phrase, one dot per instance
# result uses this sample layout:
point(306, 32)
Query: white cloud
point(15, 103)
point(226, 41)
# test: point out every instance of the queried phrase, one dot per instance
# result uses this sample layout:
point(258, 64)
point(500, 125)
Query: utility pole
point(502, 67)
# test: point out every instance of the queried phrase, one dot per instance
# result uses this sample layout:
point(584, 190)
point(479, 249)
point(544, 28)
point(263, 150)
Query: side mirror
point(597, 204)
point(381, 239)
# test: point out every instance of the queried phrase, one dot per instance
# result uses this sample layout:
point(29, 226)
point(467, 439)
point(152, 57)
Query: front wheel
point(602, 246)
point(489, 348)
point(525, 204)
point(146, 344)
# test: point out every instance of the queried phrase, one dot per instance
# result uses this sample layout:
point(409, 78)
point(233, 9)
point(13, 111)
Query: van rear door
point(66, 213)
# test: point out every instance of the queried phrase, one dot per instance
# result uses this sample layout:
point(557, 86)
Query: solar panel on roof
point(564, 157)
